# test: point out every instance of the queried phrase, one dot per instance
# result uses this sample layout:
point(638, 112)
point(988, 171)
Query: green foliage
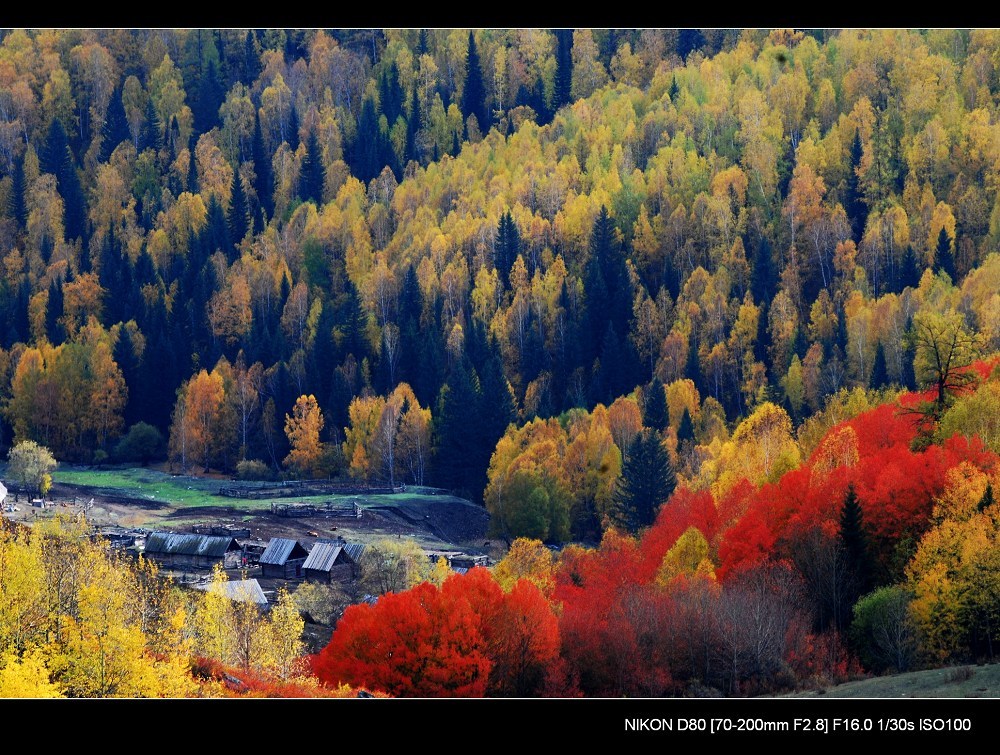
point(142, 443)
point(883, 632)
point(30, 464)
point(253, 469)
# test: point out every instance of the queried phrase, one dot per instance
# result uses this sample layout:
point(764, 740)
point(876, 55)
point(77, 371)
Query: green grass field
point(192, 492)
point(183, 491)
point(962, 681)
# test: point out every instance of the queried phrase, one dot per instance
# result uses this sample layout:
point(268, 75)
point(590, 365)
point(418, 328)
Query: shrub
point(141, 443)
point(253, 469)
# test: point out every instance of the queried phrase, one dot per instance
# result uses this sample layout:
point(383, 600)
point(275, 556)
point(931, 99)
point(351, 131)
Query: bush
point(253, 469)
point(141, 443)
point(883, 631)
point(100, 457)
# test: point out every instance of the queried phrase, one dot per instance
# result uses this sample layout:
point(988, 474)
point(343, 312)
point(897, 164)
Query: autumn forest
point(708, 321)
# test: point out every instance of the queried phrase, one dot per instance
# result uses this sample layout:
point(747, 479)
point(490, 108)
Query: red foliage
point(612, 619)
point(466, 639)
point(423, 642)
point(618, 632)
point(523, 642)
point(896, 487)
point(685, 509)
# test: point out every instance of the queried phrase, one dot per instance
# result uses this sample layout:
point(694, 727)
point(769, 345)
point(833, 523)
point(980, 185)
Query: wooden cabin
point(282, 559)
point(177, 550)
point(329, 561)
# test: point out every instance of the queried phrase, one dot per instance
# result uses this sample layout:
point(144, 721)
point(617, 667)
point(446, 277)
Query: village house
point(329, 561)
point(239, 590)
point(282, 559)
point(186, 551)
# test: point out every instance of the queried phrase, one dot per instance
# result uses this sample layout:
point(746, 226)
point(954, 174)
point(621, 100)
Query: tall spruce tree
point(311, 172)
point(455, 437)
point(54, 312)
point(263, 183)
point(564, 68)
point(944, 258)
point(880, 373)
point(647, 481)
point(855, 544)
point(654, 406)
point(115, 129)
point(508, 246)
point(854, 204)
point(237, 216)
point(474, 93)
point(57, 159)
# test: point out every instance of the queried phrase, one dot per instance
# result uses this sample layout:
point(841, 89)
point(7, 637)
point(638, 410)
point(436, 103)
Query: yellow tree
point(302, 428)
point(527, 559)
point(688, 556)
point(196, 419)
point(27, 676)
point(359, 445)
point(762, 447)
point(955, 573)
point(283, 651)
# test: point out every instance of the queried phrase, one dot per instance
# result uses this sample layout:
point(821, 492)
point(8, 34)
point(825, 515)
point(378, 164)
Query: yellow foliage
point(27, 676)
point(689, 556)
point(526, 559)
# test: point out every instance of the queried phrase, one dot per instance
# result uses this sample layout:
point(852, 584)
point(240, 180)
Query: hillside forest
point(707, 320)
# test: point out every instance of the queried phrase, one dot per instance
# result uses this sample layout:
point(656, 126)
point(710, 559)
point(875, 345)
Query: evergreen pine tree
point(508, 246)
point(909, 270)
point(456, 439)
point(150, 135)
point(192, 174)
point(53, 312)
point(412, 127)
point(853, 540)
point(364, 150)
point(474, 93)
point(215, 234)
point(249, 67)
point(237, 216)
point(115, 129)
point(689, 40)
point(209, 98)
point(57, 159)
point(763, 279)
point(311, 172)
point(654, 407)
point(262, 185)
point(564, 68)
point(685, 431)
point(124, 355)
point(944, 259)
point(646, 483)
point(880, 374)
point(854, 205)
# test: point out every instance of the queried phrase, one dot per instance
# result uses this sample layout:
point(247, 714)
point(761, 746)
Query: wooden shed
point(282, 559)
point(186, 551)
point(329, 562)
point(239, 590)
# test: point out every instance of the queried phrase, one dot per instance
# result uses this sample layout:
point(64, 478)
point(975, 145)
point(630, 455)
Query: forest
point(703, 318)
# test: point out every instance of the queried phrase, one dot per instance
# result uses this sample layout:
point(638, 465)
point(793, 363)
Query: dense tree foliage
point(719, 304)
